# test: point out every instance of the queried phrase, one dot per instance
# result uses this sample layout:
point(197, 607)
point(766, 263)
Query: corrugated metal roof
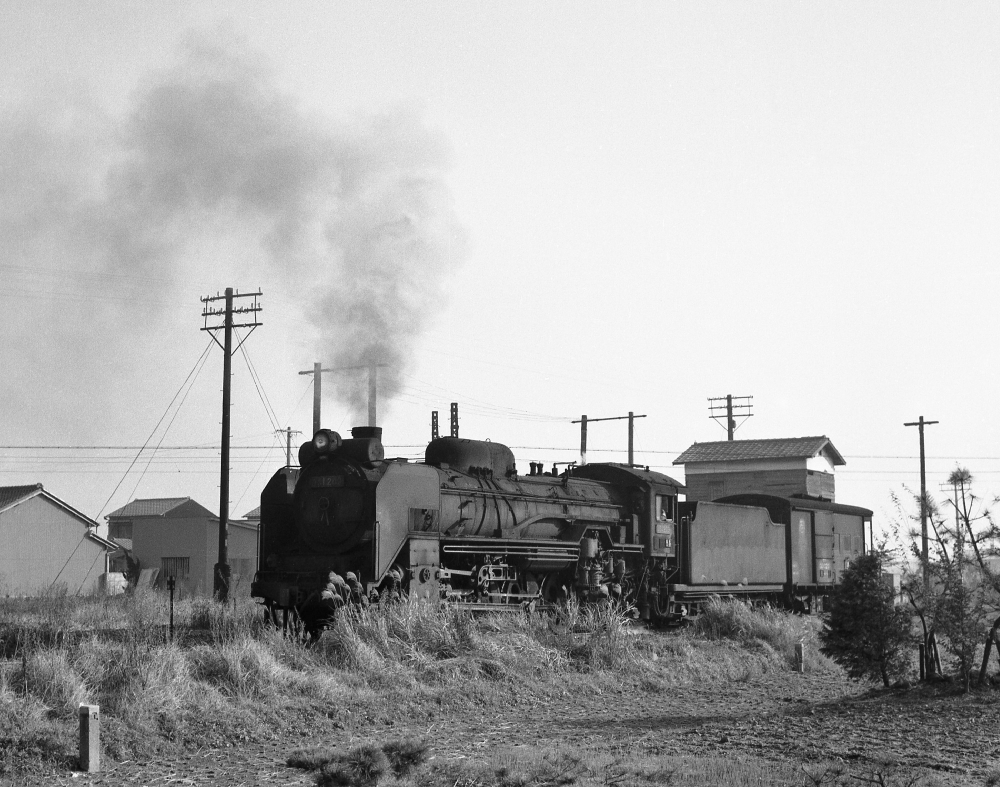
point(12, 494)
point(157, 506)
point(779, 448)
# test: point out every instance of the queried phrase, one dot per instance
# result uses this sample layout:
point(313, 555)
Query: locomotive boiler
point(464, 526)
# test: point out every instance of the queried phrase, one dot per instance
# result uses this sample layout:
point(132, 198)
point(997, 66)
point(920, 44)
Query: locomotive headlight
point(325, 441)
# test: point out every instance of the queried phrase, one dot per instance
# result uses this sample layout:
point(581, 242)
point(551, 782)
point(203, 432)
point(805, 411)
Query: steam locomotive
point(464, 526)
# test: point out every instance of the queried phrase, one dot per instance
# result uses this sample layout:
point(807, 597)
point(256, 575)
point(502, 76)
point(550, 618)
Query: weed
point(312, 758)
point(405, 755)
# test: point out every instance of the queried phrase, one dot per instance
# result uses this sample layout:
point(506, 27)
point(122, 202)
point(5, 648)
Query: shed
point(48, 544)
point(786, 467)
point(179, 537)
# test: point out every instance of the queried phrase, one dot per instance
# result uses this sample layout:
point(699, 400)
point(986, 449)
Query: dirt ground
point(948, 738)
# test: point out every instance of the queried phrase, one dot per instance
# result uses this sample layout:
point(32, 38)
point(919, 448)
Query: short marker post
point(800, 658)
point(90, 738)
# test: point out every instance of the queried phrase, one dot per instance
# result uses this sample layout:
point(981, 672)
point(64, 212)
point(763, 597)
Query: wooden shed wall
point(782, 483)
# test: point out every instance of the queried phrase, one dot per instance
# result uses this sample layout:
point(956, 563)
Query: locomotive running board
point(567, 554)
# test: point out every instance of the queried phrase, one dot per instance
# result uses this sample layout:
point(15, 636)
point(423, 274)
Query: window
point(119, 530)
point(664, 508)
point(177, 567)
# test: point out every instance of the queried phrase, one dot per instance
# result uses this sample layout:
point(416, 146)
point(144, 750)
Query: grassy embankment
point(229, 680)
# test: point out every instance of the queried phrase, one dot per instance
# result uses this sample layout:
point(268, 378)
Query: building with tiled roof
point(178, 537)
point(158, 506)
point(786, 467)
point(48, 544)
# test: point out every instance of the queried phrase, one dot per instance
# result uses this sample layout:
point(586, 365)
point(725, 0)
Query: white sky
point(661, 202)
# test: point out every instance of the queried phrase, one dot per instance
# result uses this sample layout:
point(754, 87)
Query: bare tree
point(958, 589)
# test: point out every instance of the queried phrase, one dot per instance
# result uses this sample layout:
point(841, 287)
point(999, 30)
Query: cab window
point(664, 508)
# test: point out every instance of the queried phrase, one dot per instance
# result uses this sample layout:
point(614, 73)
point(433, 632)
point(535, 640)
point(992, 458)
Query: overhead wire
point(170, 423)
point(271, 414)
point(59, 573)
point(258, 385)
point(473, 404)
point(197, 365)
point(253, 477)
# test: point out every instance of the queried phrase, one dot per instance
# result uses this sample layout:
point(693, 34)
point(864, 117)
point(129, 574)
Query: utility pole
point(584, 420)
point(921, 423)
point(222, 572)
point(317, 372)
point(740, 408)
point(288, 432)
point(434, 424)
point(454, 419)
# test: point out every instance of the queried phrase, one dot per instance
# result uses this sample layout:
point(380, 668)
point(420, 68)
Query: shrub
point(362, 765)
point(866, 633)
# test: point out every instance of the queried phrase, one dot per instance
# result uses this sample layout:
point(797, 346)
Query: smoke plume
point(352, 216)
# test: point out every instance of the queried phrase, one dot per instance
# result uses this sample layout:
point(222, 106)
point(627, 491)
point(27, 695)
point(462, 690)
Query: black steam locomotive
point(464, 526)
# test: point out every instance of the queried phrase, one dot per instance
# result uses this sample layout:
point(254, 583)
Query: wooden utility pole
point(222, 571)
point(741, 408)
point(288, 432)
point(317, 372)
point(584, 420)
point(921, 423)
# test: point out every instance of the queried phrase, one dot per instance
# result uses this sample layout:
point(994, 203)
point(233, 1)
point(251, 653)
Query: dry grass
point(765, 629)
point(226, 678)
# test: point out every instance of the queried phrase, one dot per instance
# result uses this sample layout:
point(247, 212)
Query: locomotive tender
point(463, 526)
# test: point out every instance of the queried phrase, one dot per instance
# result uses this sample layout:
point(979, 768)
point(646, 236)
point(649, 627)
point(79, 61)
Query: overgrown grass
point(763, 628)
point(226, 678)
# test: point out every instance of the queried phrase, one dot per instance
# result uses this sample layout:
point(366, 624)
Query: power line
point(193, 371)
point(264, 400)
point(170, 423)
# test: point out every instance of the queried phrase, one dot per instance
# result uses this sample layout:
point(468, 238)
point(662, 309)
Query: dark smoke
point(353, 217)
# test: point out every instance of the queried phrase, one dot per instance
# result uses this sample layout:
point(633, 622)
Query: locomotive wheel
point(272, 615)
point(288, 621)
point(553, 590)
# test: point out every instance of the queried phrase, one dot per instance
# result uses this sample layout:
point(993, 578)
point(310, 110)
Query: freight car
point(464, 526)
point(791, 550)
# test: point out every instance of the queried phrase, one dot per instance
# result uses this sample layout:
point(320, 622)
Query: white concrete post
point(800, 658)
point(90, 738)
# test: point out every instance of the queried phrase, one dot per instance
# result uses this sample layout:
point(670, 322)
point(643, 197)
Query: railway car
point(821, 537)
point(791, 550)
point(464, 526)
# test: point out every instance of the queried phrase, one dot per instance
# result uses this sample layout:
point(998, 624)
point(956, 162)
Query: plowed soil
point(936, 733)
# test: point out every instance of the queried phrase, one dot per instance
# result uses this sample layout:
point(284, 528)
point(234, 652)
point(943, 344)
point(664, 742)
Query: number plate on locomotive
point(326, 481)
